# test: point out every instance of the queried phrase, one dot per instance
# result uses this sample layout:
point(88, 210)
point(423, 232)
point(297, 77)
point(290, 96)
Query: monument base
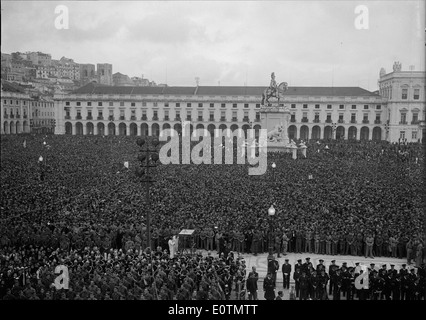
point(278, 147)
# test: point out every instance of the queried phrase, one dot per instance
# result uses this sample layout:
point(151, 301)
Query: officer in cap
point(332, 272)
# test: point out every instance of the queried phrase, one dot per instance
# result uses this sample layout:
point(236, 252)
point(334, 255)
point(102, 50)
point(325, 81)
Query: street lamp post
point(334, 129)
point(273, 170)
point(271, 214)
point(148, 158)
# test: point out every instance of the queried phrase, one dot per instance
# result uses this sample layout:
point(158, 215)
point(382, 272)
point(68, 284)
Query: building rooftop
point(95, 88)
point(11, 87)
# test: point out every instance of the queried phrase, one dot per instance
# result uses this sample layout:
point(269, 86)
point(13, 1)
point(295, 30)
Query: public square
point(163, 150)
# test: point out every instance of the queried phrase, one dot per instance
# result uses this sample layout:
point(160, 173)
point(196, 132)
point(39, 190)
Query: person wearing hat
point(403, 275)
point(411, 279)
point(323, 280)
point(269, 287)
point(392, 270)
point(331, 272)
point(345, 280)
point(279, 296)
point(286, 270)
point(307, 266)
point(369, 242)
point(320, 266)
point(252, 279)
point(273, 267)
point(298, 265)
point(304, 286)
point(337, 283)
point(296, 277)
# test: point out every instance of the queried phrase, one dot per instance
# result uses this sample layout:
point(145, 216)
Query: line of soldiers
point(382, 284)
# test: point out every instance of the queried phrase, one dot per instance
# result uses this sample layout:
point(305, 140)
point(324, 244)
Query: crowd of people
point(340, 282)
point(64, 196)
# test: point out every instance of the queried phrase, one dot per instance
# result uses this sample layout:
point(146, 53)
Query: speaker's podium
point(188, 245)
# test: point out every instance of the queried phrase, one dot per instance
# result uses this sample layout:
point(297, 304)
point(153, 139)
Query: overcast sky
point(306, 43)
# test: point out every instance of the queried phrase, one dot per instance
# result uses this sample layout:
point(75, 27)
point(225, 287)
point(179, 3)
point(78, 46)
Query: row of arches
point(143, 130)
point(16, 127)
point(341, 133)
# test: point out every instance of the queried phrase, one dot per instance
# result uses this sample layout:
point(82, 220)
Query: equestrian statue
point(273, 91)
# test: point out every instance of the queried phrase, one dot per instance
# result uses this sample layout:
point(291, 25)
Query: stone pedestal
point(274, 115)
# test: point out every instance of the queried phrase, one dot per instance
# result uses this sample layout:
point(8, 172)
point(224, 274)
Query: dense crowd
point(359, 198)
point(340, 282)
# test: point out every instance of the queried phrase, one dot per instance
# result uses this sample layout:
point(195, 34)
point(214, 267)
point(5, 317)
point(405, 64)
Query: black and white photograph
point(223, 152)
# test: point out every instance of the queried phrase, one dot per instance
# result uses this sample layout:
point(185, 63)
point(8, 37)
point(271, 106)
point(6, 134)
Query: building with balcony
point(316, 112)
point(119, 110)
point(404, 93)
point(15, 112)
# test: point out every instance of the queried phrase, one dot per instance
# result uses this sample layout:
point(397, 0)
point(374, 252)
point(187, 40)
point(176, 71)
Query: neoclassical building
point(21, 113)
point(317, 112)
point(395, 112)
point(404, 93)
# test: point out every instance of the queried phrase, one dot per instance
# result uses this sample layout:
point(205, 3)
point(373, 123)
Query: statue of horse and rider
point(273, 91)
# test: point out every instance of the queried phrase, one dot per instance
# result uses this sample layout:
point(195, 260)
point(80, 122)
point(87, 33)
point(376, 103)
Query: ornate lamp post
point(273, 170)
point(271, 214)
point(148, 157)
point(334, 125)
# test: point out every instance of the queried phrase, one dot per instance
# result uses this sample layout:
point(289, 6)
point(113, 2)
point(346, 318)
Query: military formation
point(339, 282)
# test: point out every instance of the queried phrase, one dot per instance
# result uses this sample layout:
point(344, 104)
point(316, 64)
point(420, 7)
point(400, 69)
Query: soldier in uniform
point(378, 285)
point(359, 244)
point(249, 238)
point(317, 239)
point(203, 237)
point(307, 266)
point(308, 241)
point(285, 243)
point(395, 284)
point(210, 239)
point(252, 279)
point(241, 241)
point(345, 279)
point(369, 242)
point(217, 237)
point(387, 290)
point(292, 240)
point(273, 267)
point(298, 241)
point(334, 243)
point(393, 242)
point(296, 276)
point(278, 244)
point(328, 243)
point(320, 267)
point(298, 265)
point(337, 284)
point(349, 241)
point(342, 244)
point(322, 285)
point(286, 270)
point(409, 249)
point(379, 245)
point(401, 247)
point(351, 289)
point(313, 286)
point(322, 242)
point(255, 242)
point(411, 279)
point(331, 272)
point(304, 286)
point(403, 275)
